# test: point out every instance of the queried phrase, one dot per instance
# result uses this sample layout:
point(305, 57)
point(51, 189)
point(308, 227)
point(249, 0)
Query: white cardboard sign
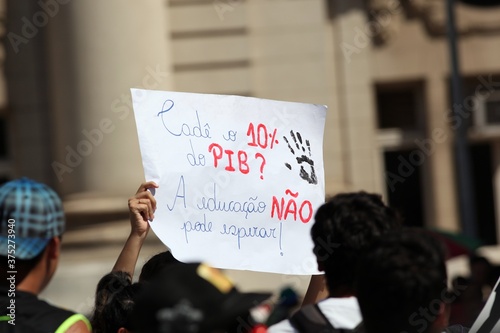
point(239, 178)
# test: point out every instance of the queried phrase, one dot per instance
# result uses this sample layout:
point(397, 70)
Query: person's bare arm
point(141, 208)
point(316, 291)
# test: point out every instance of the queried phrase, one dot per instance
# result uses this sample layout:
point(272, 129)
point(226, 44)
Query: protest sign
point(239, 178)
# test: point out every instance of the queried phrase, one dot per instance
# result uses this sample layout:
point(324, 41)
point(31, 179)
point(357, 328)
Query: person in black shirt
point(31, 225)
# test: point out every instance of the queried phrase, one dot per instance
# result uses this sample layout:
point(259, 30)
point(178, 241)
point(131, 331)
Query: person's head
point(195, 298)
point(401, 284)
point(114, 303)
point(344, 226)
point(32, 218)
point(480, 270)
point(156, 264)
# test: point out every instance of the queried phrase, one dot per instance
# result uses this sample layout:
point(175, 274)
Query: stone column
point(26, 113)
point(440, 188)
point(97, 51)
point(361, 158)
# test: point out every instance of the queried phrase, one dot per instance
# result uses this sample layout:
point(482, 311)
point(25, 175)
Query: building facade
point(381, 66)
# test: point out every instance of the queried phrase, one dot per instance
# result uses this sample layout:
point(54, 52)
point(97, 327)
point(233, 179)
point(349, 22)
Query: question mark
point(262, 164)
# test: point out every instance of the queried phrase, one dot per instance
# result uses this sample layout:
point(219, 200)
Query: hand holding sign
point(222, 164)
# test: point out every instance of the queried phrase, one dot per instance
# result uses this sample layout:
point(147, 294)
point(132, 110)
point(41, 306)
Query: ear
point(321, 266)
point(54, 248)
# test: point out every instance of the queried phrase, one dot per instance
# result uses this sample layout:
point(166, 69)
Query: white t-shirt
point(342, 313)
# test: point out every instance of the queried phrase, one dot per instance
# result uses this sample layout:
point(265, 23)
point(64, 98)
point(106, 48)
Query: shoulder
point(282, 327)
point(75, 324)
point(341, 312)
point(30, 306)
point(45, 316)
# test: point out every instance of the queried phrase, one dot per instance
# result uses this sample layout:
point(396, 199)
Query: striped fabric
point(35, 213)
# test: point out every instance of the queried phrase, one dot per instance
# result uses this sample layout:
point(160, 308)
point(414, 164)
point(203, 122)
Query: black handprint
point(301, 149)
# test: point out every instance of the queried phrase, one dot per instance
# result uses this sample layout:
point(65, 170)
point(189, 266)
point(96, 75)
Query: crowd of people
point(379, 276)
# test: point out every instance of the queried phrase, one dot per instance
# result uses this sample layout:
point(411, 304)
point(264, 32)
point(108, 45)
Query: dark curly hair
point(401, 284)
point(114, 303)
point(156, 264)
point(344, 226)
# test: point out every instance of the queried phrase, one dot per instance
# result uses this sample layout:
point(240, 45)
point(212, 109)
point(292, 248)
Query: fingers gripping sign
point(141, 210)
point(142, 207)
point(302, 153)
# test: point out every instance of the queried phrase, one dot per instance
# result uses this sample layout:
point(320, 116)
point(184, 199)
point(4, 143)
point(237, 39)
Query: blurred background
point(383, 67)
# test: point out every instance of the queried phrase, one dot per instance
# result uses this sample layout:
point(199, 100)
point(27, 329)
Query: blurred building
point(382, 67)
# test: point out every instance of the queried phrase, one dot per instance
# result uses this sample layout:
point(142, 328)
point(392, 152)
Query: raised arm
point(141, 208)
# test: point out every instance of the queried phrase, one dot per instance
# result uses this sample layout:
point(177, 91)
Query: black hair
point(156, 264)
point(184, 298)
point(344, 226)
point(114, 303)
point(401, 284)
